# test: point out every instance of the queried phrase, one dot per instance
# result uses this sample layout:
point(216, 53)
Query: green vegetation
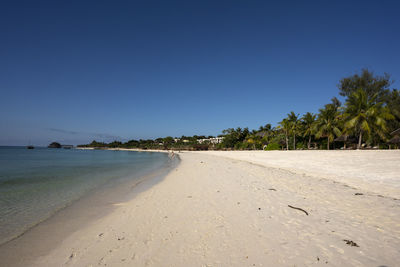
point(370, 113)
point(327, 124)
point(307, 124)
point(364, 115)
point(273, 146)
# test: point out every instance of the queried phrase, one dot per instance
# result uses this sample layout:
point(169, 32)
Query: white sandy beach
point(231, 209)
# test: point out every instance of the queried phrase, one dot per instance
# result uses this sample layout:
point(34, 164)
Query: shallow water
point(34, 184)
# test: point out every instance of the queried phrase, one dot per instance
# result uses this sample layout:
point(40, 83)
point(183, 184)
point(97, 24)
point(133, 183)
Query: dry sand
point(372, 170)
point(231, 209)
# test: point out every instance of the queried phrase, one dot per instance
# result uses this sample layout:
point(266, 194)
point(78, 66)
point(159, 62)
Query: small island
point(54, 145)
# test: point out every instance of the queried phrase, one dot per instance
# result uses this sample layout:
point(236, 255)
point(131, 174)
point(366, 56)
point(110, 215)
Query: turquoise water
point(34, 184)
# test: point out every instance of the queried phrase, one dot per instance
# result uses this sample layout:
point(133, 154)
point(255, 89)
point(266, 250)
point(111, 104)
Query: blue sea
point(36, 183)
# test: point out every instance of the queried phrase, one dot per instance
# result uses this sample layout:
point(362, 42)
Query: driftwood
point(298, 209)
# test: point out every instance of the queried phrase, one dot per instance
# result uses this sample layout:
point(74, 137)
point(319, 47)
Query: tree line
point(370, 112)
point(183, 143)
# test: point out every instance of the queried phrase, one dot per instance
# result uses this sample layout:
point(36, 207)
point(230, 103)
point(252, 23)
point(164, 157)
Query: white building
point(176, 140)
point(214, 140)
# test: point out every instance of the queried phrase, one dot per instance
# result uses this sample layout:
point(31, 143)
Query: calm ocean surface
point(34, 184)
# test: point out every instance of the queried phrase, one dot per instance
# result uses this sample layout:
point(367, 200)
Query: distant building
point(262, 134)
point(176, 140)
point(214, 140)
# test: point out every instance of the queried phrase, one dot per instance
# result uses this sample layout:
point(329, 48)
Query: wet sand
point(45, 236)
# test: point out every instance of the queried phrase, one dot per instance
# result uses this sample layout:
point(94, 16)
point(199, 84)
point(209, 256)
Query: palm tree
point(285, 126)
point(364, 115)
point(263, 134)
point(293, 126)
point(266, 128)
point(327, 124)
point(308, 123)
point(393, 104)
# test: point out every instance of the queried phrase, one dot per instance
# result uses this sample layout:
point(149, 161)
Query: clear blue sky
point(74, 71)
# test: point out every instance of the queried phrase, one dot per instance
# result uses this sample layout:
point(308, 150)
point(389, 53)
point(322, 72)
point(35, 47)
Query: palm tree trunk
point(294, 141)
point(287, 141)
point(328, 144)
point(309, 142)
point(359, 140)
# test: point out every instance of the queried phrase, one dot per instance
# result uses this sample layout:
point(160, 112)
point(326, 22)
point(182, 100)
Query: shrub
point(273, 146)
point(301, 145)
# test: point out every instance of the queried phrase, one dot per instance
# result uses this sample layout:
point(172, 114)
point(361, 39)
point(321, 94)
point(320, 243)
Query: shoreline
point(124, 149)
point(40, 238)
point(214, 210)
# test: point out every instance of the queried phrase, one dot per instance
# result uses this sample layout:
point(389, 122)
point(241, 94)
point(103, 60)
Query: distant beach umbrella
point(395, 140)
point(396, 132)
point(342, 138)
